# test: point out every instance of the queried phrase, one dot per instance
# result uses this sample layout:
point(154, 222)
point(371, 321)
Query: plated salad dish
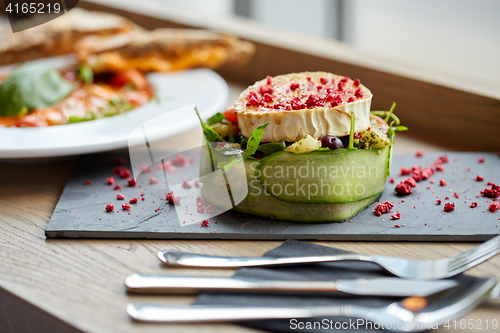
point(312, 149)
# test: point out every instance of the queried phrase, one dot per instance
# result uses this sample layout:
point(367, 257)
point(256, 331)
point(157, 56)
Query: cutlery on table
point(386, 286)
point(437, 308)
point(404, 268)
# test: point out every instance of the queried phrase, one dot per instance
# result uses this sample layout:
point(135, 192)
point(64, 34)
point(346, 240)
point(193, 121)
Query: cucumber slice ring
point(333, 177)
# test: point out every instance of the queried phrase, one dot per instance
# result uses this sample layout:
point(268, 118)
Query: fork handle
point(175, 258)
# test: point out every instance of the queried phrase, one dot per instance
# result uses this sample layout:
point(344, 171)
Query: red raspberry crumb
point(378, 213)
point(180, 160)
point(110, 207)
point(200, 209)
point(294, 86)
point(186, 184)
point(209, 209)
point(268, 98)
point(494, 207)
point(131, 182)
point(417, 175)
point(145, 168)
point(323, 80)
point(268, 79)
point(196, 183)
point(133, 200)
point(392, 181)
point(120, 197)
point(473, 205)
point(153, 180)
point(266, 90)
point(356, 82)
point(384, 207)
point(447, 198)
point(403, 189)
point(204, 223)
point(419, 153)
point(110, 180)
point(439, 167)
point(442, 182)
point(87, 182)
point(492, 192)
point(124, 173)
point(117, 187)
point(404, 172)
point(396, 216)
point(126, 206)
point(397, 226)
point(443, 159)
point(438, 201)
point(448, 207)
point(481, 160)
point(479, 178)
point(171, 199)
point(410, 181)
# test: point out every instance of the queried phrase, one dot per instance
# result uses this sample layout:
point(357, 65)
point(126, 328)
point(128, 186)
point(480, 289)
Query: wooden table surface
point(65, 285)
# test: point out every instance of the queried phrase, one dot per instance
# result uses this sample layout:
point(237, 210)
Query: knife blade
point(387, 286)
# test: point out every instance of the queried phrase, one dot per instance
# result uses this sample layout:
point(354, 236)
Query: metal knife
point(389, 286)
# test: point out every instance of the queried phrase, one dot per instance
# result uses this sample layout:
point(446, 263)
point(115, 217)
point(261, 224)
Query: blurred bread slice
point(164, 50)
point(58, 36)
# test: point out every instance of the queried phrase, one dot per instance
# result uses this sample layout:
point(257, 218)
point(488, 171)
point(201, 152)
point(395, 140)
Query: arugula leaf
point(85, 73)
point(216, 118)
point(32, 86)
point(210, 134)
point(269, 148)
point(254, 140)
point(225, 166)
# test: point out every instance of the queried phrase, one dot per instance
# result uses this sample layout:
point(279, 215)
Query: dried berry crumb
point(456, 195)
point(403, 189)
point(153, 180)
point(200, 209)
point(120, 197)
point(117, 187)
point(438, 201)
point(479, 178)
point(383, 207)
point(204, 223)
point(448, 207)
point(473, 205)
point(410, 181)
point(124, 173)
point(87, 182)
point(493, 207)
point(186, 184)
point(442, 182)
point(172, 199)
point(120, 161)
point(481, 160)
point(392, 181)
point(126, 206)
point(397, 226)
point(196, 183)
point(110, 180)
point(133, 200)
point(110, 207)
point(419, 153)
point(131, 182)
point(404, 172)
point(209, 209)
point(396, 216)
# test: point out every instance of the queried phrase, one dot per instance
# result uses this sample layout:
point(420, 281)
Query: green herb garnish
point(210, 134)
point(254, 140)
point(32, 86)
point(86, 74)
point(351, 135)
point(216, 118)
point(269, 148)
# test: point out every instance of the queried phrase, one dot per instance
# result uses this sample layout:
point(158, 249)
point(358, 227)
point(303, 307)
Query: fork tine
point(476, 255)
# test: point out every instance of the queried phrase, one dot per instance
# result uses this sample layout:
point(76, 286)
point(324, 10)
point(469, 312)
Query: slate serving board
point(80, 212)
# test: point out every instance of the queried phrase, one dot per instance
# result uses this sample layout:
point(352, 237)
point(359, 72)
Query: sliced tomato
point(130, 76)
point(231, 115)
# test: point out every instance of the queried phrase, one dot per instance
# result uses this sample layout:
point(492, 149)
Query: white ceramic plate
point(201, 87)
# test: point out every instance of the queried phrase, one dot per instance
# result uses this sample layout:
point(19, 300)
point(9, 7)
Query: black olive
point(331, 142)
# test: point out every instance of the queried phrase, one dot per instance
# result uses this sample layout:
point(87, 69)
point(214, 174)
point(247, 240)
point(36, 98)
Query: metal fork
point(404, 268)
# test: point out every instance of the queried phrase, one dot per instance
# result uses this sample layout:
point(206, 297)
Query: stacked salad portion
point(311, 148)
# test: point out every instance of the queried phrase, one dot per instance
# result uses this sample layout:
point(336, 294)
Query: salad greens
point(217, 118)
point(272, 147)
point(254, 140)
point(86, 74)
point(32, 86)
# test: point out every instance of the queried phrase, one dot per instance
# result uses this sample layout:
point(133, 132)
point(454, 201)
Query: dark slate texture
point(80, 212)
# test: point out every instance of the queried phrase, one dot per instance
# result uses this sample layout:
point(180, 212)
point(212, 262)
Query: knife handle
point(145, 283)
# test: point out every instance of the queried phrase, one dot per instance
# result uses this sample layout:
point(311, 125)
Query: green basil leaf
point(32, 86)
point(210, 134)
point(269, 148)
point(254, 140)
point(217, 118)
point(86, 74)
